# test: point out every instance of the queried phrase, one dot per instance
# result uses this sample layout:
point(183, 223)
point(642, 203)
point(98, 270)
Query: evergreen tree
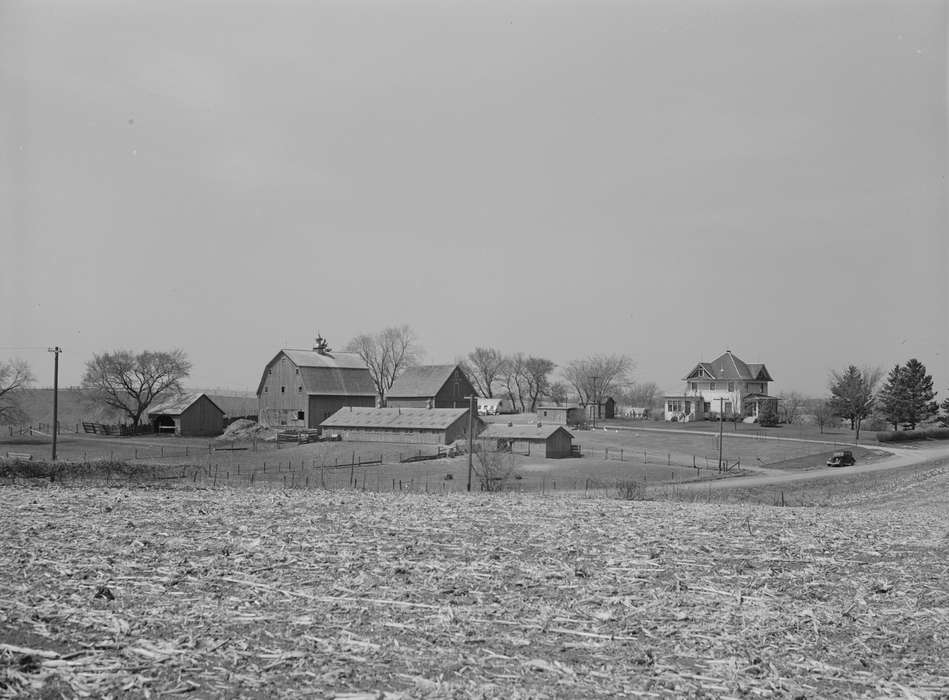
point(945, 409)
point(917, 394)
point(892, 398)
point(851, 394)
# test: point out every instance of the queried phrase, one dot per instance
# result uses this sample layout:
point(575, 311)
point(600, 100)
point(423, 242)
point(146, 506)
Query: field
point(269, 592)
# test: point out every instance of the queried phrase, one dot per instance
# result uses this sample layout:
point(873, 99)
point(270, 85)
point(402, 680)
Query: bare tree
point(510, 378)
point(130, 382)
point(791, 405)
point(484, 366)
point(823, 412)
point(536, 377)
point(15, 375)
point(387, 354)
point(598, 375)
point(643, 394)
point(494, 468)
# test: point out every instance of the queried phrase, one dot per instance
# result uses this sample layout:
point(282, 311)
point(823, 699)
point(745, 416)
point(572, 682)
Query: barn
point(188, 415)
point(431, 386)
point(552, 441)
point(571, 414)
point(417, 426)
point(301, 388)
point(235, 407)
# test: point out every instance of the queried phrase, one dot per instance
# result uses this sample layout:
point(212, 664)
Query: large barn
point(552, 441)
point(301, 388)
point(431, 386)
point(188, 415)
point(421, 426)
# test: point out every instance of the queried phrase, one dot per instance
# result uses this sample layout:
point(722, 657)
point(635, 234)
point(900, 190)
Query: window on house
point(299, 415)
point(731, 386)
point(707, 407)
point(299, 389)
point(694, 386)
point(711, 386)
point(283, 390)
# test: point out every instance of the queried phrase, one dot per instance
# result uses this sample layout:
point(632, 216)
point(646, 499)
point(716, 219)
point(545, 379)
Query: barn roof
point(528, 431)
point(235, 405)
point(327, 373)
point(421, 381)
point(179, 404)
point(729, 367)
point(402, 418)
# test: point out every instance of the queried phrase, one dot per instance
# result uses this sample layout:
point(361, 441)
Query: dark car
point(844, 458)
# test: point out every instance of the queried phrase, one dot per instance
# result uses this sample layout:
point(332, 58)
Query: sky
point(665, 180)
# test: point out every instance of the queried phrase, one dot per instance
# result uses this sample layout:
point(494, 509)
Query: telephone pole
point(721, 430)
point(55, 350)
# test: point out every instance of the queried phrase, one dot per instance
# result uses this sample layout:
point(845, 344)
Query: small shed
point(431, 386)
point(188, 415)
point(416, 426)
point(571, 414)
point(554, 440)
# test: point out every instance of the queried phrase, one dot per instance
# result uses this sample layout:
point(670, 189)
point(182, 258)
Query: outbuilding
point(416, 426)
point(553, 441)
point(570, 414)
point(431, 386)
point(188, 415)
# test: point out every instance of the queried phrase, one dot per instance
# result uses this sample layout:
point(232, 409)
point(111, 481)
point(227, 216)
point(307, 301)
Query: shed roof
point(179, 404)
point(552, 407)
point(421, 381)
point(527, 431)
point(729, 367)
point(235, 405)
point(399, 418)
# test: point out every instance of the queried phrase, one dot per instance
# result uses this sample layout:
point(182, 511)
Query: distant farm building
point(301, 388)
point(605, 408)
point(553, 441)
point(571, 414)
point(494, 406)
point(235, 407)
point(189, 415)
point(417, 426)
point(431, 386)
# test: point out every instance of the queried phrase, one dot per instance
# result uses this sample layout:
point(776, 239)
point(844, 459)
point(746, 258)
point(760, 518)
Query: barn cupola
point(320, 345)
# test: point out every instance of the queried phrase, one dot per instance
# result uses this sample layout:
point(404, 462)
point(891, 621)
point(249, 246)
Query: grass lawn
point(273, 593)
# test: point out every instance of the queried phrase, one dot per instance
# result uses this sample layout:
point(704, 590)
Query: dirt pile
point(244, 429)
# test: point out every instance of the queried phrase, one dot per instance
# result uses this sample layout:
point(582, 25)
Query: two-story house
point(725, 385)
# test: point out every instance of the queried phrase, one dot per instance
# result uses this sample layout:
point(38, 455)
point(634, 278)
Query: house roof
point(179, 404)
point(400, 418)
point(328, 373)
point(528, 431)
point(728, 367)
point(553, 407)
point(421, 381)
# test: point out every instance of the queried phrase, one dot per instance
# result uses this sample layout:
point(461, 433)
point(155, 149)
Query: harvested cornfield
point(259, 593)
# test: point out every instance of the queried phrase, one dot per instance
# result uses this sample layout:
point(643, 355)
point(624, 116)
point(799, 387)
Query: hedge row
point(910, 435)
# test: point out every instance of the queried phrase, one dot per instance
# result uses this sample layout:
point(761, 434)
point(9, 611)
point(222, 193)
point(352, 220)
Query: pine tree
point(917, 392)
point(892, 398)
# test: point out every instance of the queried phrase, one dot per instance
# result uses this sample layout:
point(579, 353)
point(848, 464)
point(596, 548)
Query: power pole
point(721, 430)
point(472, 403)
point(55, 350)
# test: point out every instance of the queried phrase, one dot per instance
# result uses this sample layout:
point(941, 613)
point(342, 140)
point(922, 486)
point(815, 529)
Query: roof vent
point(320, 345)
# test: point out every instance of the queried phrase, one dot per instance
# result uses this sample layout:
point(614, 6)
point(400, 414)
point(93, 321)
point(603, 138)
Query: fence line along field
point(273, 592)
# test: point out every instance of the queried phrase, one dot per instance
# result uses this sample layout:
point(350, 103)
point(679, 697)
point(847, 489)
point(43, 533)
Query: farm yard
point(273, 592)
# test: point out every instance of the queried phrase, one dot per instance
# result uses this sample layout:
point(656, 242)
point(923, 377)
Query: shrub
point(913, 435)
point(630, 490)
point(767, 415)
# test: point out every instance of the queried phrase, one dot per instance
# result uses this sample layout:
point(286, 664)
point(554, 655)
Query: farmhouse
point(553, 441)
point(431, 386)
point(570, 414)
point(726, 385)
point(300, 388)
point(188, 415)
point(417, 426)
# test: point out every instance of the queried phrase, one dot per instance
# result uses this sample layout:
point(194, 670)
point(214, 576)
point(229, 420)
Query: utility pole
point(596, 406)
point(472, 403)
point(55, 350)
point(721, 430)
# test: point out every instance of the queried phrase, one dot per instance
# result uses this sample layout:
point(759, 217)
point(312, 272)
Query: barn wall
point(453, 392)
point(278, 407)
point(322, 407)
point(202, 418)
point(558, 445)
point(407, 402)
point(407, 437)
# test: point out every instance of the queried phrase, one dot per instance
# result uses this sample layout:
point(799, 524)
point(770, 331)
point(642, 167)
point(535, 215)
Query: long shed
point(553, 441)
point(570, 414)
point(188, 415)
point(423, 426)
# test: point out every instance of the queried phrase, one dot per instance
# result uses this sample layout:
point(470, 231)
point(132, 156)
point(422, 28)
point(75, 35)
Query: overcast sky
point(660, 179)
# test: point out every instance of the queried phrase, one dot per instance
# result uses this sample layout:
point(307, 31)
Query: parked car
point(844, 458)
